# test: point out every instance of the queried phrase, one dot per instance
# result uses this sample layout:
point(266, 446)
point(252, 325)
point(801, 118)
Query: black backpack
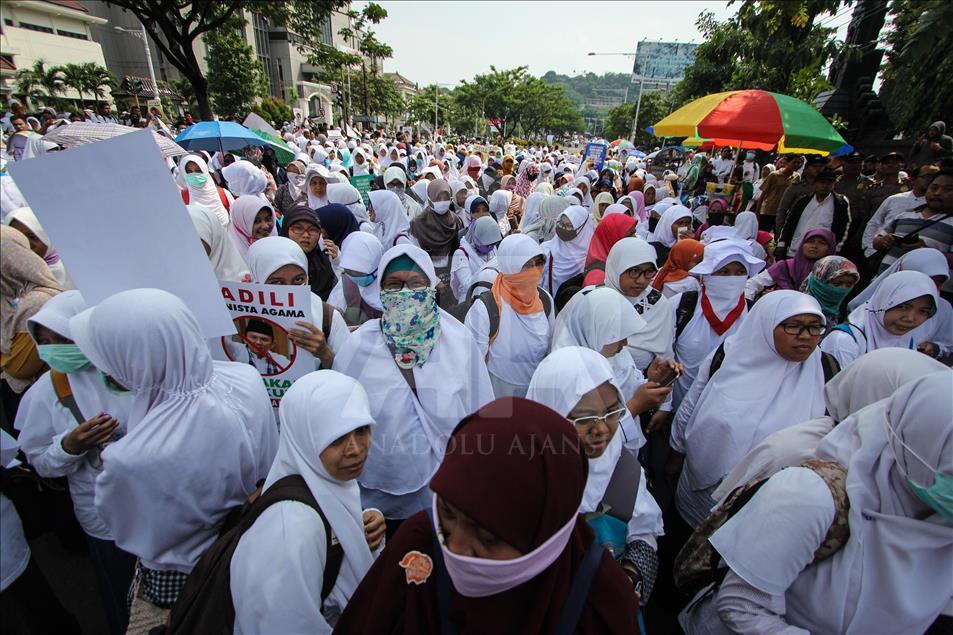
point(493, 309)
point(828, 363)
point(204, 605)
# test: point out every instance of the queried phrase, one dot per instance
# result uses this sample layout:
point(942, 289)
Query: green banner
point(363, 185)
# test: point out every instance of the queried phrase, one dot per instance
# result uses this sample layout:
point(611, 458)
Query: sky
point(445, 42)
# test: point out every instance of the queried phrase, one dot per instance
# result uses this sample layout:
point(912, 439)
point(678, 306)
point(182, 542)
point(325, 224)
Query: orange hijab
point(519, 290)
point(679, 261)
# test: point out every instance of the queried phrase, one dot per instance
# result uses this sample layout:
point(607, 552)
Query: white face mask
point(441, 207)
point(724, 291)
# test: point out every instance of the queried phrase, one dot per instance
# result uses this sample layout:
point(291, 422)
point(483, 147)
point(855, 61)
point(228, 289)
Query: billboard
point(662, 60)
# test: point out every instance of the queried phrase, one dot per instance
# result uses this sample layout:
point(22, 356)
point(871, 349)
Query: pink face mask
point(482, 577)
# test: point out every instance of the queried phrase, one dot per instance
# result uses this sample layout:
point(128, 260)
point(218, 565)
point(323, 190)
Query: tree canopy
point(236, 78)
point(655, 106)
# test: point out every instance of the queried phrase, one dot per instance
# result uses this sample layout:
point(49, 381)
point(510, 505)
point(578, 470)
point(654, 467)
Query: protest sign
point(262, 314)
point(363, 185)
point(594, 157)
point(119, 223)
point(407, 132)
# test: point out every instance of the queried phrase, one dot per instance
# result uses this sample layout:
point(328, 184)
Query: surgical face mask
point(441, 207)
point(484, 249)
point(365, 280)
point(939, 495)
point(565, 234)
point(396, 189)
point(296, 179)
point(750, 156)
point(111, 385)
point(196, 179)
point(65, 358)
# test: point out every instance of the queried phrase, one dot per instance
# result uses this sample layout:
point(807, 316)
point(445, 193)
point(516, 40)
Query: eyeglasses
point(612, 416)
point(398, 285)
point(635, 273)
point(301, 230)
point(795, 329)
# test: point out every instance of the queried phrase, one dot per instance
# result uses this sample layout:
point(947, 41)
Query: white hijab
point(359, 169)
point(746, 225)
point(926, 260)
point(895, 289)
point(227, 263)
point(244, 178)
point(316, 171)
point(732, 414)
point(202, 429)
point(663, 231)
point(531, 208)
point(306, 431)
point(348, 196)
point(724, 292)
point(244, 210)
point(362, 252)
point(207, 195)
point(390, 217)
point(568, 258)
point(658, 332)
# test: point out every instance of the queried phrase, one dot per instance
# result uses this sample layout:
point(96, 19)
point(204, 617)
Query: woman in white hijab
point(56, 445)
point(567, 251)
point(391, 226)
point(902, 303)
point(873, 377)
point(675, 223)
point(244, 178)
point(746, 228)
point(198, 187)
point(892, 575)
point(543, 227)
point(531, 209)
point(423, 373)
point(316, 179)
point(347, 195)
point(499, 204)
point(280, 260)
point(584, 186)
point(578, 383)
point(358, 293)
point(477, 247)
point(630, 268)
point(227, 262)
point(25, 221)
point(360, 165)
point(280, 562)
point(253, 218)
point(199, 428)
point(524, 329)
point(395, 180)
point(771, 377)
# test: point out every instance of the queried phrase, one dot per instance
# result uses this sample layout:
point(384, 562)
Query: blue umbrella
point(218, 136)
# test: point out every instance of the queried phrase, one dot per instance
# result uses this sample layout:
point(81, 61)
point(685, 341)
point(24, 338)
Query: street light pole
point(638, 106)
point(142, 35)
point(436, 106)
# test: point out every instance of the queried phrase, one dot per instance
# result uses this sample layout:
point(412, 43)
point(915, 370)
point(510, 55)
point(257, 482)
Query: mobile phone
point(669, 379)
point(909, 239)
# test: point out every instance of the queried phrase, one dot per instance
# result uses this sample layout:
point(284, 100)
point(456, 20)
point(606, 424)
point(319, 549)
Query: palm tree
point(75, 77)
point(97, 79)
point(38, 81)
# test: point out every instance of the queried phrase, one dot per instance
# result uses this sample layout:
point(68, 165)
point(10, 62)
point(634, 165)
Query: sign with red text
point(263, 314)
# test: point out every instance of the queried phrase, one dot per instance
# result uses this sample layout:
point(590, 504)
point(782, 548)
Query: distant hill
point(591, 91)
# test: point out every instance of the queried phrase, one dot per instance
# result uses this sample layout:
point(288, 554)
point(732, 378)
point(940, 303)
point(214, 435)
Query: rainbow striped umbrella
point(753, 119)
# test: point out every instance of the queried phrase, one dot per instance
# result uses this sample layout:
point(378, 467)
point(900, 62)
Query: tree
point(74, 76)
point(40, 81)
point(654, 107)
point(775, 45)
point(499, 95)
point(421, 107)
point(548, 109)
point(183, 88)
point(274, 111)
point(97, 80)
point(175, 25)
point(235, 74)
point(918, 50)
point(380, 95)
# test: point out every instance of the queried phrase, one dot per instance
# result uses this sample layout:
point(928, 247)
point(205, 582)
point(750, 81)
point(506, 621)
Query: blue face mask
point(112, 385)
point(196, 179)
point(365, 280)
point(938, 496)
point(65, 358)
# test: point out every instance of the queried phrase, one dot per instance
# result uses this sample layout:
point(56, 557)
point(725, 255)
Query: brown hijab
point(26, 283)
point(437, 234)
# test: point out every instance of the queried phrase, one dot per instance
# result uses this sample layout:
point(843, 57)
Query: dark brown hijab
point(437, 234)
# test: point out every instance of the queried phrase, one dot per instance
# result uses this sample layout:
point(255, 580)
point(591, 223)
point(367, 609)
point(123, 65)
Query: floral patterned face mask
point(410, 324)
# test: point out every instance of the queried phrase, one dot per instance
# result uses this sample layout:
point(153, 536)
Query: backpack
point(698, 564)
point(356, 306)
point(205, 603)
point(460, 309)
point(828, 363)
point(685, 311)
point(493, 309)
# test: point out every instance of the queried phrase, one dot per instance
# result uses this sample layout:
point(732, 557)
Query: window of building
point(35, 27)
point(263, 50)
point(281, 79)
point(78, 36)
point(8, 21)
point(325, 32)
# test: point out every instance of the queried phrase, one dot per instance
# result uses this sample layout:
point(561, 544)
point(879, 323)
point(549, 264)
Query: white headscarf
point(207, 195)
point(306, 431)
point(724, 291)
point(420, 191)
point(362, 251)
point(244, 210)
point(270, 254)
point(316, 171)
point(897, 288)
point(531, 208)
point(746, 225)
point(587, 196)
point(569, 258)
point(657, 333)
point(348, 196)
point(244, 178)
point(499, 202)
point(201, 429)
point(227, 263)
point(926, 260)
point(390, 217)
point(732, 414)
point(359, 169)
point(663, 231)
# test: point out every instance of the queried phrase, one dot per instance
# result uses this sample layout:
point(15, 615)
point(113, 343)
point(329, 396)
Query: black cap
point(892, 156)
point(827, 174)
point(814, 159)
point(853, 157)
point(871, 158)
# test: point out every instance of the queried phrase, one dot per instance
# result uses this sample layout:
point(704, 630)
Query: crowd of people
point(543, 386)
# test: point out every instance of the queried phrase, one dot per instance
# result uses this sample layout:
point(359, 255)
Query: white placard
point(119, 223)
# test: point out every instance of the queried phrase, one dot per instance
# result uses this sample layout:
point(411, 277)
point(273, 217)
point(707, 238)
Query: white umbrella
point(83, 132)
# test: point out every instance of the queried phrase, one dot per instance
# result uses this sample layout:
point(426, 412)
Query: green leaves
point(235, 76)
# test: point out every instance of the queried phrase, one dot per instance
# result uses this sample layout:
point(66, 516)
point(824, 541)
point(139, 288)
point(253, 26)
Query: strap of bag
point(623, 487)
point(716, 360)
point(64, 394)
point(930, 223)
point(327, 314)
point(829, 365)
point(492, 312)
point(579, 591)
point(685, 311)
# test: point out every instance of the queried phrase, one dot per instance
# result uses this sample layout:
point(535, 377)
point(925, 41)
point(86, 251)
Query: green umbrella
point(283, 153)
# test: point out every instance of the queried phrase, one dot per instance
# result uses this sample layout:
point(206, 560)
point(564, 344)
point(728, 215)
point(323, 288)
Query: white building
point(55, 31)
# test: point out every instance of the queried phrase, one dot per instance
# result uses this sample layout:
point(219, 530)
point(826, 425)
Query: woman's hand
point(89, 434)
point(374, 528)
point(660, 369)
point(313, 340)
point(648, 396)
point(658, 421)
point(330, 248)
